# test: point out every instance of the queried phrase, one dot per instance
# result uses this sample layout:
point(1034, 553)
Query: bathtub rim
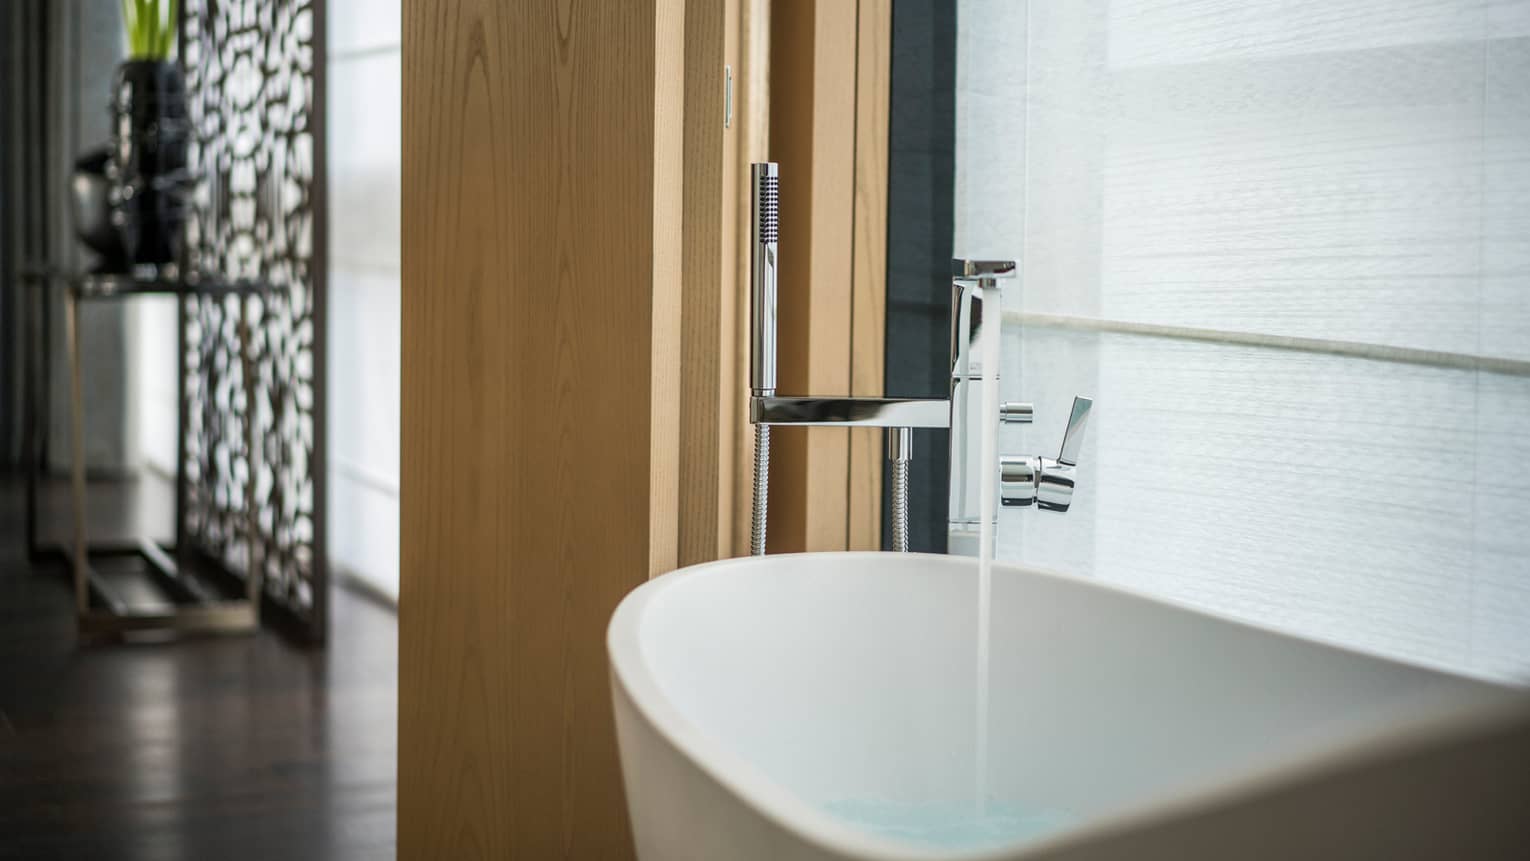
point(776, 803)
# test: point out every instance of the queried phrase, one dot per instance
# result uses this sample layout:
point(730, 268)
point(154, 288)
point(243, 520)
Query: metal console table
point(100, 611)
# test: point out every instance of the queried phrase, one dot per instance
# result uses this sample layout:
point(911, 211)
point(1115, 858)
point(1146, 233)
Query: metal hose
point(900, 506)
point(900, 448)
point(761, 489)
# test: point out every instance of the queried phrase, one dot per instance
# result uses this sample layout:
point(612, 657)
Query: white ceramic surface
point(753, 694)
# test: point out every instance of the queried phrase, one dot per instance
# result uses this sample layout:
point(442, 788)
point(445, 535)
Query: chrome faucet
point(898, 415)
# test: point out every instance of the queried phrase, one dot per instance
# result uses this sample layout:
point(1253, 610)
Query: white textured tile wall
point(1311, 492)
point(1507, 19)
point(1505, 316)
point(364, 25)
point(1501, 519)
point(1147, 32)
point(1355, 171)
point(990, 191)
point(365, 180)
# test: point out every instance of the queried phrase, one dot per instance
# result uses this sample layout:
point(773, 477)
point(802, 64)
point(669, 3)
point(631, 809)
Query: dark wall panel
point(921, 173)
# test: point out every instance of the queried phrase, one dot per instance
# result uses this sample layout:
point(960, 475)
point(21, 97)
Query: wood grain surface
point(542, 145)
point(812, 107)
point(868, 311)
point(749, 41)
point(707, 288)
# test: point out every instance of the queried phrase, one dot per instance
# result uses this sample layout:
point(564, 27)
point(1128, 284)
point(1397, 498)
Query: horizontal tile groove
point(1354, 349)
point(365, 267)
point(371, 479)
point(361, 584)
point(336, 55)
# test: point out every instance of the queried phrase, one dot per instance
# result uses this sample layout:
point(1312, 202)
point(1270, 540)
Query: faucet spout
point(969, 315)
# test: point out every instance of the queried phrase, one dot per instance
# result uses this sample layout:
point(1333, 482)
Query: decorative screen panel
point(253, 74)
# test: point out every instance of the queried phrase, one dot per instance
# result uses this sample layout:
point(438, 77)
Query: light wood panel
point(868, 311)
point(749, 36)
point(704, 398)
point(812, 135)
point(828, 114)
point(542, 146)
point(665, 285)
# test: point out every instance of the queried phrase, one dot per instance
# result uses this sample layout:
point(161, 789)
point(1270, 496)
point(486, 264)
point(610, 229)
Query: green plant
point(150, 32)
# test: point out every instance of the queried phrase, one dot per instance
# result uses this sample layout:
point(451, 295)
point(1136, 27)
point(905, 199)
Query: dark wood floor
point(219, 749)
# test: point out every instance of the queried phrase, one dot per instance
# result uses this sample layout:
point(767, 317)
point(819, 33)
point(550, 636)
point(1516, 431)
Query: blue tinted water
point(950, 826)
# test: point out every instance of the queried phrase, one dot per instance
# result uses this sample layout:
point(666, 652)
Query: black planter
point(147, 167)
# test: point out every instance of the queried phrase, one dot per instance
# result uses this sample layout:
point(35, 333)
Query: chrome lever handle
point(1046, 482)
point(1073, 434)
point(1055, 479)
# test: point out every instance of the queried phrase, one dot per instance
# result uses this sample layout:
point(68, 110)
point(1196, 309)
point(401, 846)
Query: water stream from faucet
point(987, 509)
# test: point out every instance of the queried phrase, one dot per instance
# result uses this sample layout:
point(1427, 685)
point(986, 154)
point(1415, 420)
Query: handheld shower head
point(767, 201)
point(765, 190)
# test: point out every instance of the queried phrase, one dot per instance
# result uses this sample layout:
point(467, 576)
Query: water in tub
point(950, 826)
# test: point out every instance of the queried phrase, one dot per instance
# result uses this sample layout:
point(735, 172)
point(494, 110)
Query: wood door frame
point(727, 55)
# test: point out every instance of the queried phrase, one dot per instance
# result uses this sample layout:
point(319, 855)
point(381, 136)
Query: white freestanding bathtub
point(822, 706)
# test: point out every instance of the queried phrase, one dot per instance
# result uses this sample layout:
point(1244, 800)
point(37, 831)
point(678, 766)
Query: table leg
point(45, 377)
point(252, 462)
point(77, 451)
point(30, 450)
